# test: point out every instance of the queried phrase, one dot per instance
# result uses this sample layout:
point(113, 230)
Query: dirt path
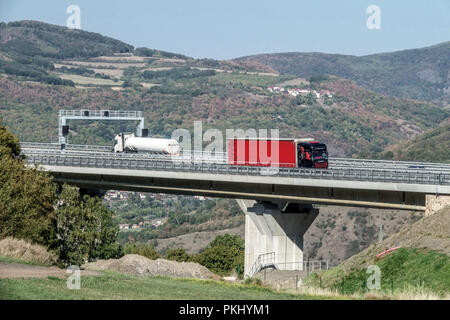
point(15, 270)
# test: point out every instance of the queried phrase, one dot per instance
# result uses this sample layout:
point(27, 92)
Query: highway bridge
point(278, 202)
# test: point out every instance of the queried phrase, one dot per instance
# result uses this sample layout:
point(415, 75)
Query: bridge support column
point(275, 228)
point(434, 203)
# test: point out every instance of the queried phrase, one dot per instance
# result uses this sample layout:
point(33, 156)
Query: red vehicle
point(292, 153)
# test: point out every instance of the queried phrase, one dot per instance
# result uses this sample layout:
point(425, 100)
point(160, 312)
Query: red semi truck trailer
point(292, 153)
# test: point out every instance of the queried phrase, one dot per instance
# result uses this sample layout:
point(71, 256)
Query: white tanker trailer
point(128, 142)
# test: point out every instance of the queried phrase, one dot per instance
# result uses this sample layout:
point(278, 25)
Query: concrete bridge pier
point(274, 231)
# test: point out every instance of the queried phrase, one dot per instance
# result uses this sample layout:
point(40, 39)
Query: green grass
point(405, 268)
point(82, 80)
point(113, 285)
point(15, 260)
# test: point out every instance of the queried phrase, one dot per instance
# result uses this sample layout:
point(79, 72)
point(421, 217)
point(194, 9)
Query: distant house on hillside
point(327, 93)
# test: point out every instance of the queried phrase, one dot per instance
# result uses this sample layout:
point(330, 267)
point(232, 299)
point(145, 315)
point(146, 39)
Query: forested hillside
point(357, 120)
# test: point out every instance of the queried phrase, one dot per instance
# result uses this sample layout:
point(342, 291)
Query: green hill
point(422, 261)
point(418, 73)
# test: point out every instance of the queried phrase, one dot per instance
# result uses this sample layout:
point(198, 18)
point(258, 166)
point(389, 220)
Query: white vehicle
point(128, 142)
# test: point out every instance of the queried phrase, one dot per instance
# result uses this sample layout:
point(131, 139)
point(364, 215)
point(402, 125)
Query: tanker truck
point(128, 142)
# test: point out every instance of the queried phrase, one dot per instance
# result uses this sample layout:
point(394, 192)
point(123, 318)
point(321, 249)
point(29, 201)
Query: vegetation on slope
point(402, 270)
point(423, 260)
point(30, 47)
point(348, 125)
point(432, 146)
point(34, 38)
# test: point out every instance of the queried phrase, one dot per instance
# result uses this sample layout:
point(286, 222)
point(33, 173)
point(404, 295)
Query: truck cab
point(312, 155)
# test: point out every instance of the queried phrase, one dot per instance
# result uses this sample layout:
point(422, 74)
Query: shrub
point(228, 240)
point(223, 254)
point(178, 254)
point(221, 259)
point(253, 281)
point(84, 229)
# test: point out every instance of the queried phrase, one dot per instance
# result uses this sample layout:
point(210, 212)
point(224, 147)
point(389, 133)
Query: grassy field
point(119, 286)
point(89, 80)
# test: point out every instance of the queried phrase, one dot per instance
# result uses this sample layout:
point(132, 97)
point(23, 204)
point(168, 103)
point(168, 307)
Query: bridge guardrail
point(50, 148)
point(350, 174)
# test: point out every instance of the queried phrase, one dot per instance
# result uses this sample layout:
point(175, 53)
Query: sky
point(231, 28)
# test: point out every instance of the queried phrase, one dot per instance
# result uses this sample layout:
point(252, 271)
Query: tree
point(223, 254)
point(178, 254)
point(228, 240)
point(84, 229)
point(105, 244)
point(27, 196)
point(221, 259)
point(9, 144)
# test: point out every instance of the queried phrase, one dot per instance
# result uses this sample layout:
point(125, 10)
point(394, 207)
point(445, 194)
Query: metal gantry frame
point(65, 115)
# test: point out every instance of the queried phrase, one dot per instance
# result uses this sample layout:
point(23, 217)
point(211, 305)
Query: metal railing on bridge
point(121, 161)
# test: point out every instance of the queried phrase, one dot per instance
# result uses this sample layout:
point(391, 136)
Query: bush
point(84, 229)
point(253, 281)
point(228, 240)
point(220, 259)
point(131, 84)
point(179, 255)
point(223, 254)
